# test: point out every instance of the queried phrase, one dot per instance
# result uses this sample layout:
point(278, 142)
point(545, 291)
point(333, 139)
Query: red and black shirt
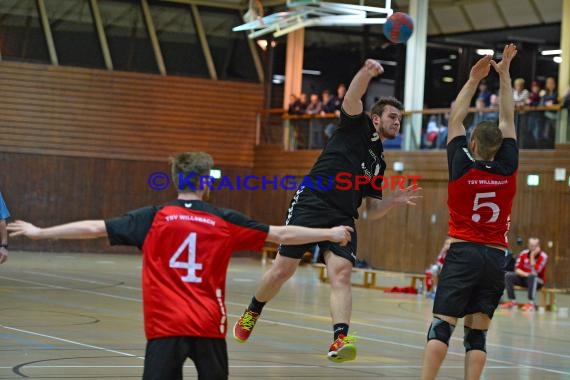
point(481, 193)
point(186, 249)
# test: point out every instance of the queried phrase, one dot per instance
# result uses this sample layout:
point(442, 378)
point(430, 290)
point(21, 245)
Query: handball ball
point(398, 27)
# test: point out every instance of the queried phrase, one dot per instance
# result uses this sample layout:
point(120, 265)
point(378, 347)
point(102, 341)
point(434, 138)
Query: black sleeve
point(131, 228)
point(353, 121)
point(459, 160)
point(370, 191)
point(508, 156)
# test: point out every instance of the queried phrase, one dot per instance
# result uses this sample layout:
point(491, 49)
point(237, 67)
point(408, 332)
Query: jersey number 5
point(190, 265)
point(493, 206)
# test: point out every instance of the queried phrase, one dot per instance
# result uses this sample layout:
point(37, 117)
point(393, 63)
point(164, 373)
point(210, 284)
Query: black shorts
point(309, 210)
point(472, 280)
point(165, 357)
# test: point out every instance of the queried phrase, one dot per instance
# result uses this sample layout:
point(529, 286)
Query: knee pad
point(474, 339)
point(440, 330)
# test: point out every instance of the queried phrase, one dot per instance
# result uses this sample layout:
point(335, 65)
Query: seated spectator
point(530, 271)
point(434, 271)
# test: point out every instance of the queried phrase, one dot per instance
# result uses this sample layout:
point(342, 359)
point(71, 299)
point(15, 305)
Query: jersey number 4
point(493, 206)
point(190, 264)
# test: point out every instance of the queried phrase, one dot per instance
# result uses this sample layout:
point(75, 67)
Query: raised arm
point(506, 102)
point(461, 106)
point(84, 229)
point(295, 235)
point(352, 103)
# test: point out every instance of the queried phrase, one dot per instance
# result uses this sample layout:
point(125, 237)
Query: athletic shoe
point(529, 306)
point(509, 305)
point(244, 325)
point(342, 349)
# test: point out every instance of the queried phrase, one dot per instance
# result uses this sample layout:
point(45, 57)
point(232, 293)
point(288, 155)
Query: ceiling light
point(447, 79)
point(551, 52)
point(557, 59)
point(447, 67)
point(485, 51)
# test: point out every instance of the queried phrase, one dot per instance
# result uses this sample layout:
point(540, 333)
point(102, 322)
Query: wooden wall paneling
point(407, 240)
point(94, 113)
point(47, 190)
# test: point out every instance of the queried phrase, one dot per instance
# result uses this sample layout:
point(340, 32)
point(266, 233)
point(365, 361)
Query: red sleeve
point(247, 234)
point(248, 239)
point(519, 264)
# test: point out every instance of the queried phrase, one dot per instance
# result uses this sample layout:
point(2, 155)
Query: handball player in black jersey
point(354, 150)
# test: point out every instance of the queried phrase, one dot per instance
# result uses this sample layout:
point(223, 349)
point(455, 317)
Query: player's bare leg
point(476, 357)
point(435, 351)
point(339, 272)
point(281, 270)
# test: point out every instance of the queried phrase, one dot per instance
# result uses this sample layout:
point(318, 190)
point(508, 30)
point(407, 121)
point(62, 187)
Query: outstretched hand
point(481, 68)
point(373, 67)
point(407, 195)
point(21, 228)
point(341, 234)
point(509, 52)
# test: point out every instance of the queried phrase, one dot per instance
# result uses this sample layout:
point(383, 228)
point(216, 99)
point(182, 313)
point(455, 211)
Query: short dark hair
point(187, 163)
point(489, 139)
point(378, 108)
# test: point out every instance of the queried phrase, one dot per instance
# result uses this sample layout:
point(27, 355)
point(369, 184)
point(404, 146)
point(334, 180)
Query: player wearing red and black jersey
point(529, 272)
point(482, 185)
point(186, 246)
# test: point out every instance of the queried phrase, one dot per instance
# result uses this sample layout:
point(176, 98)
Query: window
point(179, 41)
point(230, 50)
point(127, 36)
point(21, 34)
point(74, 33)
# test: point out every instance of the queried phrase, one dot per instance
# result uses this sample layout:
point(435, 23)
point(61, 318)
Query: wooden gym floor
point(78, 316)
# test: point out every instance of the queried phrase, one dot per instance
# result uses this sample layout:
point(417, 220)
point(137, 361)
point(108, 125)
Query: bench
point(547, 296)
point(268, 252)
point(369, 277)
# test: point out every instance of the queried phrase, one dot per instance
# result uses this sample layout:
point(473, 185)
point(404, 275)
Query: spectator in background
point(484, 93)
point(520, 94)
point(293, 104)
point(298, 105)
point(494, 103)
point(435, 269)
point(530, 272)
point(534, 117)
point(340, 92)
point(329, 105)
point(549, 98)
point(432, 130)
point(4, 215)
point(315, 106)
